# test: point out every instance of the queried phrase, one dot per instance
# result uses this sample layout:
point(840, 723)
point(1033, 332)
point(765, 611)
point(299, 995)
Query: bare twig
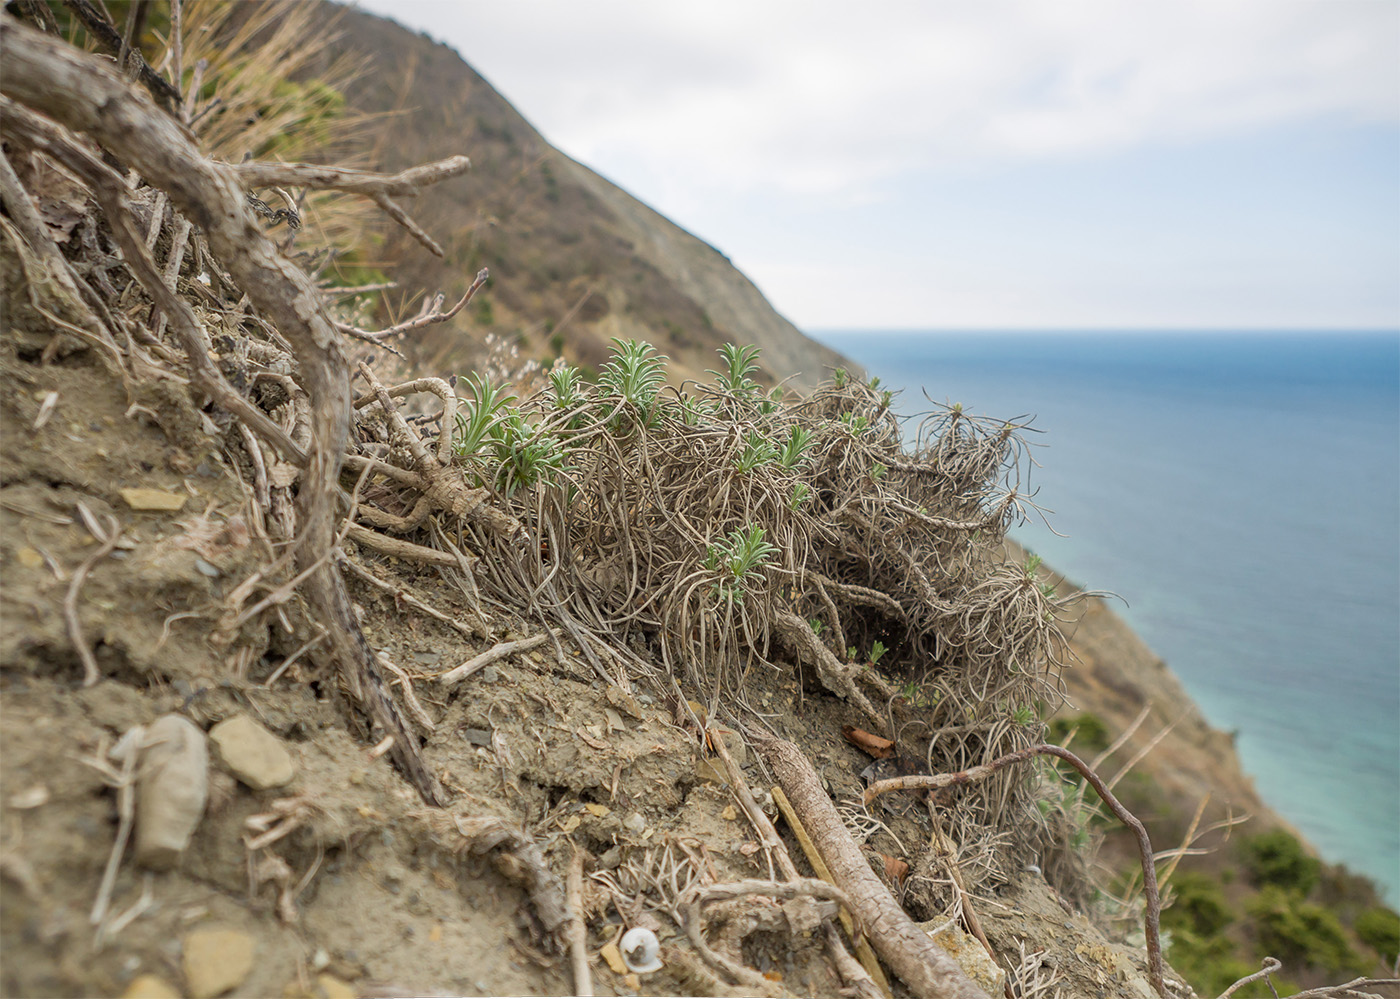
point(1271, 965)
point(108, 543)
point(492, 654)
point(428, 318)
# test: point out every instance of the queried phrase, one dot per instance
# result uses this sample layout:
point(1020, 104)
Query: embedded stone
point(252, 753)
point(217, 960)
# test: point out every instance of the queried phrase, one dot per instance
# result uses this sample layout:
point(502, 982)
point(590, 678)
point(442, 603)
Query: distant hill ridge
point(574, 259)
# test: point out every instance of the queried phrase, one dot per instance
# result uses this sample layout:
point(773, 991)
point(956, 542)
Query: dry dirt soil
point(365, 891)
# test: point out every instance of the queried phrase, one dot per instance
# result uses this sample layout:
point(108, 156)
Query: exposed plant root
point(910, 953)
point(107, 543)
point(1151, 918)
point(518, 858)
point(866, 956)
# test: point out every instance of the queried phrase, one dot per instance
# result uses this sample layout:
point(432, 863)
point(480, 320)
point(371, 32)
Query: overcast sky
point(988, 163)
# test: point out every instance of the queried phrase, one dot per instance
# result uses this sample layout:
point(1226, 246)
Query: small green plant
point(816, 624)
point(478, 417)
point(739, 363)
point(565, 385)
point(852, 653)
point(878, 470)
point(800, 492)
point(794, 453)
point(523, 456)
point(877, 651)
point(737, 558)
point(1023, 715)
point(854, 423)
point(1032, 564)
point(758, 451)
point(839, 376)
point(636, 373)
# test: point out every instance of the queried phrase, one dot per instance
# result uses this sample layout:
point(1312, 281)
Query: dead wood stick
point(943, 849)
point(1271, 964)
point(106, 34)
point(774, 846)
point(375, 186)
point(434, 315)
point(578, 929)
point(772, 842)
point(491, 655)
point(399, 548)
point(1152, 916)
point(83, 93)
point(864, 952)
point(856, 976)
point(924, 966)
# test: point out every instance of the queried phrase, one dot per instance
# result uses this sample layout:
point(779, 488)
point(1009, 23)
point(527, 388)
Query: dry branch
point(928, 971)
point(84, 94)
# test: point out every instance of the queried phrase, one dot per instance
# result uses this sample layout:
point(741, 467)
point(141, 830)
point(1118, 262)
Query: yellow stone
point(150, 987)
point(331, 987)
point(153, 499)
point(217, 960)
point(613, 956)
point(29, 558)
point(598, 810)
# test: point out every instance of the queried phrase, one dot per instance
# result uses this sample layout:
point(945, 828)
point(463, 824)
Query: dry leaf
point(874, 745)
point(895, 869)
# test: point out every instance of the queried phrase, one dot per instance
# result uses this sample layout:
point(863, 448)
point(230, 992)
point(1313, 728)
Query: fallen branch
point(1152, 917)
point(924, 966)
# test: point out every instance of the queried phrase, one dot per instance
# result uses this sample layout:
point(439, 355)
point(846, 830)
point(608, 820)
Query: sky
point(1080, 164)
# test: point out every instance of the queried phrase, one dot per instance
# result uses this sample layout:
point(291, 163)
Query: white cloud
point(821, 97)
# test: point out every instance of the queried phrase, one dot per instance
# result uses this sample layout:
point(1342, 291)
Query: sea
point(1240, 491)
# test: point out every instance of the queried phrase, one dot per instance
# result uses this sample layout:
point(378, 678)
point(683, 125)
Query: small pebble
point(150, 987)
point(217, 960)
point(171, 790)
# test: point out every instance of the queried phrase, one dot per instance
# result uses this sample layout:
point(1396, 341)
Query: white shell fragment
point(641, 951)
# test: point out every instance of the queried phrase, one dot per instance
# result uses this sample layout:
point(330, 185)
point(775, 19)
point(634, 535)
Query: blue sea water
point(1241, 491)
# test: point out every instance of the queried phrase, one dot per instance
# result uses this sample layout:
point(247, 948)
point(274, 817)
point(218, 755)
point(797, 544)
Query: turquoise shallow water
point(1241, 491)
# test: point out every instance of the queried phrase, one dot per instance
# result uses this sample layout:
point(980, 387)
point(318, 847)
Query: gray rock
point(172, 786)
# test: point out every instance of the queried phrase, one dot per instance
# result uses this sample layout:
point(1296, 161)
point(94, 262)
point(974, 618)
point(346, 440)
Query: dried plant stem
point(107, 545)
point(924, 966)
point(1152, 916)
point(401, 595)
